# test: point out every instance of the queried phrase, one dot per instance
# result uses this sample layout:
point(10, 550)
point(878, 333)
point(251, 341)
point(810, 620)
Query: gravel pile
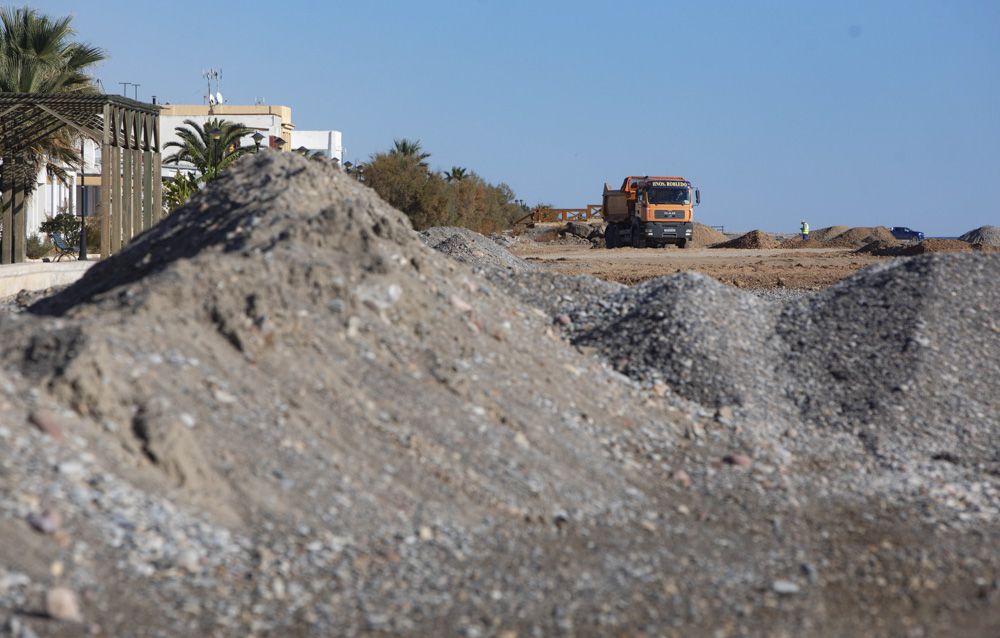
point(682, 330)
point(887, 351)
point(279, 413)
point(469, 247)
point(551, 292)
point(989, 235)
point(753, 239)
point(890, 352)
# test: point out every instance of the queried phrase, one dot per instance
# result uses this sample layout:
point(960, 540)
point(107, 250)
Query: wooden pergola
point(128, 133)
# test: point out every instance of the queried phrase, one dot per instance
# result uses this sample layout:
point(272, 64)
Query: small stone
point(738, 460)
point(460, 304)
point(70, 468)
point(660, 389)
point(724, 413)
point(682, 477)
point(189, 561)
point(784, 587)
point(223, 397)
point(564, 320)
point(61, 604)
point(46, 522)
point(426, 533)
point(522, 440)
point(57, 568)
point(46, 422)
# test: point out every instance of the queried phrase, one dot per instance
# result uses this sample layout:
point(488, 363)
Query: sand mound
point(828, 233)
point(858, 237)
point(797, 242)
point(702, 235)
point(880, 247)
point(278, 412)
point(840, 237)
point(753, 239)
point(989, 235)
point(900, 249)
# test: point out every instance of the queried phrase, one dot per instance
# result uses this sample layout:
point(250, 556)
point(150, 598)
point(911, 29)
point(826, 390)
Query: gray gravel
point(278, 413)
point(989, 235)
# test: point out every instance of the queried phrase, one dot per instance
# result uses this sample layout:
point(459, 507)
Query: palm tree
point(456, 174)
point(38, 55)
point(210, 149)
point(408, 148)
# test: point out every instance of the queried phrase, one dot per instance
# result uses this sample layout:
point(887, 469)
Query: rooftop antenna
point(210, 75)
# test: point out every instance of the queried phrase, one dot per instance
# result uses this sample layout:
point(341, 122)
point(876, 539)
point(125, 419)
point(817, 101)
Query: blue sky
point(857, 113)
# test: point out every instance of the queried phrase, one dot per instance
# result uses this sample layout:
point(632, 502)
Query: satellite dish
point(211, 99)
point(218, 98)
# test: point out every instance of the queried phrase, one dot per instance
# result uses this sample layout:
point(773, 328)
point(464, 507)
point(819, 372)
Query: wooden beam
point(147, 190)
point(10, 110)
point(126, 216)
point(83, 130)
point(104, 203)
point(157, 188)
point(116, 199)
point(136, 192)
point(7, 243)
point(19, 225)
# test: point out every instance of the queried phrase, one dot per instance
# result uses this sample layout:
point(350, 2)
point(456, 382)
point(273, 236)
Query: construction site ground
point(806, 268)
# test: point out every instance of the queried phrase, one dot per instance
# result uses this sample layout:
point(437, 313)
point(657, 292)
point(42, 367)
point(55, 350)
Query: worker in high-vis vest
point(805, 230)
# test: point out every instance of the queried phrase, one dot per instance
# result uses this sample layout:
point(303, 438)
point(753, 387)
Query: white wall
point(327, 142)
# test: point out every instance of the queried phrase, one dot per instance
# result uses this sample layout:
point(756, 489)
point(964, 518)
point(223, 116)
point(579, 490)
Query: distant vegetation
point(458, 197)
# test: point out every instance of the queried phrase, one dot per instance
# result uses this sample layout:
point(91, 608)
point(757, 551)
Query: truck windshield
point(669, 195)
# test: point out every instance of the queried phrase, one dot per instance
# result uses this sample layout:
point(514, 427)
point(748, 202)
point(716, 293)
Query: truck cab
point(650, 211)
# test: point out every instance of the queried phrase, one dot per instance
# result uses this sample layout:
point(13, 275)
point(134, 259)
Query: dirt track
point(800, 268)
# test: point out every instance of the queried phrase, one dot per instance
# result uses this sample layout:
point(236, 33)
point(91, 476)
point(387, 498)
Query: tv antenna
point(213, 75)
point(135, 87)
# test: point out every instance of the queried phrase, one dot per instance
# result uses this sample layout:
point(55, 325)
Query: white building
point(326, 142)
point(274, 123)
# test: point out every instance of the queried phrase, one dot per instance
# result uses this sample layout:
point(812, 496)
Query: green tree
point(410, 148)
point(406, 184)
point(210, 149)
point(456, 174)
point(38, 55)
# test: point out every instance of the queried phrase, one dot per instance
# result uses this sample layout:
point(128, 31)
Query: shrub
point(404, 181)
point(406, 184)
point(36, 247)
point(66, 223)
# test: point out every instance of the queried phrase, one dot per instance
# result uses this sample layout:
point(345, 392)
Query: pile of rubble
point(278, 412)
point(988, 235)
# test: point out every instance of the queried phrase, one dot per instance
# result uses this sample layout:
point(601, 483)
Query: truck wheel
point(682, 243)
point(611, 237)
point(638, 239)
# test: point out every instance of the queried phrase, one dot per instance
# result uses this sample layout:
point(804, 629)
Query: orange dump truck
point(649, 211)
